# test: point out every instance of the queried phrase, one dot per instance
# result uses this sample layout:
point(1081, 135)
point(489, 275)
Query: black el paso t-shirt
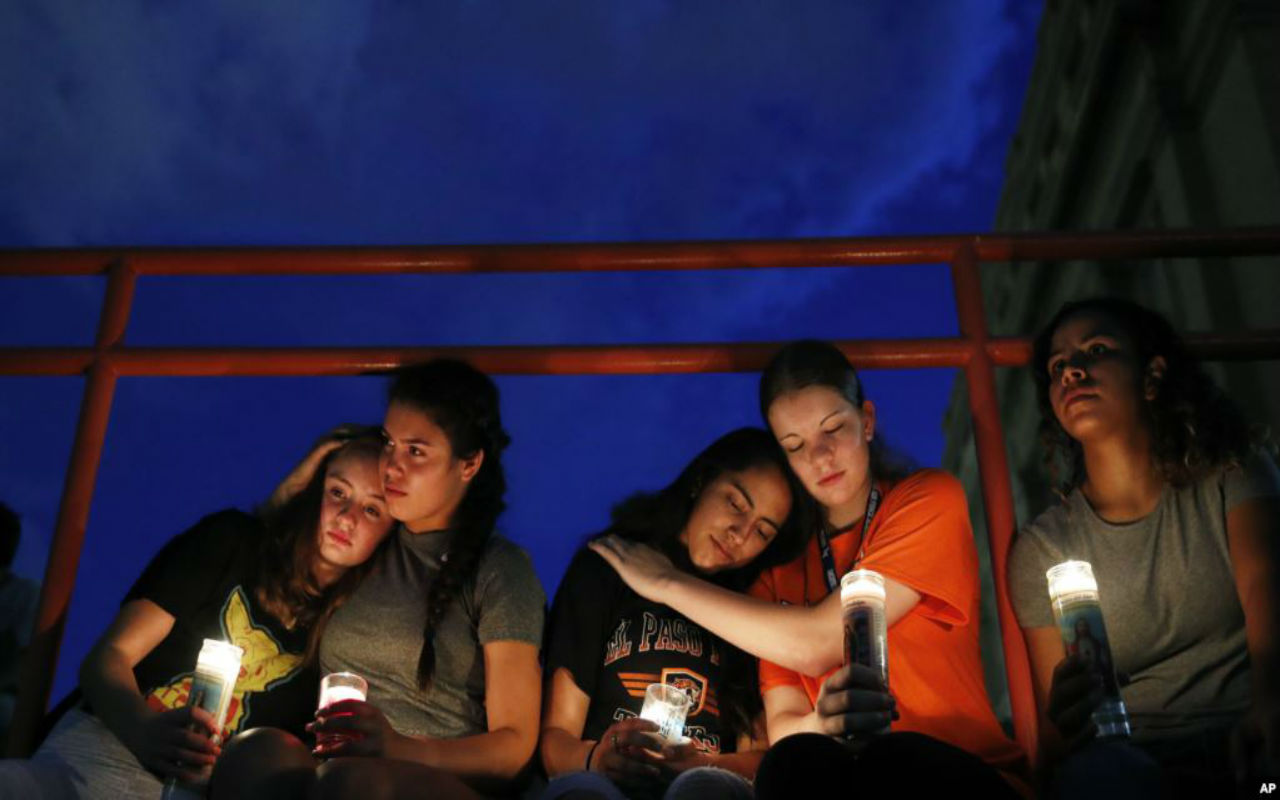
point(615, 643)
point(203, 577)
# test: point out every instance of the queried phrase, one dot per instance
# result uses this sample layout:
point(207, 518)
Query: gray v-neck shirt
point(1168, 596)
point(377, 633)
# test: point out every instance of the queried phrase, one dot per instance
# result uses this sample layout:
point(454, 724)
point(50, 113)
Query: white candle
point(338, 686)
point(1071, 578)
point(336, 694)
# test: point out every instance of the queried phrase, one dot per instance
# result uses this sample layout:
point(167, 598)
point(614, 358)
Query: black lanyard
point(824, 543)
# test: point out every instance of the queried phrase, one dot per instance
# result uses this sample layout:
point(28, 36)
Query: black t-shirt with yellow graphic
point(204, 578)
point(615, 643)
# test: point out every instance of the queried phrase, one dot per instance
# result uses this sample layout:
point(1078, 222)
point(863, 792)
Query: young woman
point(911, 528)
point(1168, 496)
point(267, 583)
point(445, 630)
point(728, 515)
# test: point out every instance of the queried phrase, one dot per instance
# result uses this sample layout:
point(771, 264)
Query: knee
point(351, 778)
point(581, 786)
point(709, 783)
point(1106, 769)
point(801, 760)
point(263, 762)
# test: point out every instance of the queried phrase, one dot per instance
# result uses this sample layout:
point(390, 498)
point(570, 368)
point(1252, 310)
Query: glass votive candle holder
point(666, 706)
point(334, 688)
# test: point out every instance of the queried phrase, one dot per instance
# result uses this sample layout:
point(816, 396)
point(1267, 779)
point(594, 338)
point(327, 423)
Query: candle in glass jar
point(1073, 592)
point(667, 707)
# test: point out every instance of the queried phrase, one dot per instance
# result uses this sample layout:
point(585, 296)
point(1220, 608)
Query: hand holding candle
point(212, 687)
point(335, 688)
point(666, 706)
point(1089, 672)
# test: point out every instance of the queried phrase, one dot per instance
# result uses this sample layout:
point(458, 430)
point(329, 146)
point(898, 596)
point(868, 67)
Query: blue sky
point(139, 123)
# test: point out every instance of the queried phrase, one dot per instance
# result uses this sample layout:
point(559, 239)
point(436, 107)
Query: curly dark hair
point(1195, 427)
point(283, 580)
point(658, 518)
point(810, 362)
point(463, 403)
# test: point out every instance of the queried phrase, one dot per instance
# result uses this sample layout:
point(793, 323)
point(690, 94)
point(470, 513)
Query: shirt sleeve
point(580, 618)
point(772, 675)
point(189, 568)
point(1256, 478)
point(509, 595)
point(1028, 588)
point(923, 539)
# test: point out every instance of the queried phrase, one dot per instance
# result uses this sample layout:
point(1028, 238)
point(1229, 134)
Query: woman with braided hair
point(446, 629)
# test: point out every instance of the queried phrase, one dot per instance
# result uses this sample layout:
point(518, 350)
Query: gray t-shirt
point(377, 633)
point(1168, 596)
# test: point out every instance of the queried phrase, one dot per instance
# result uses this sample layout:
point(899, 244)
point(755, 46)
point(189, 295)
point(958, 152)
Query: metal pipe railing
point(974, 350)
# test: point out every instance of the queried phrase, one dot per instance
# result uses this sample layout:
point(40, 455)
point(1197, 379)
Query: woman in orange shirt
point(910, 526)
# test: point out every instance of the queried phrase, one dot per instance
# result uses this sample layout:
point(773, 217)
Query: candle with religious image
point(1073, 591)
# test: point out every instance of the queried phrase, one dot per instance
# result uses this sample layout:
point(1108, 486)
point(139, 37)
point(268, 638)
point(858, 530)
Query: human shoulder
point(506, 569)
point(1251, 478)
point(1042, 541)
point(588, 570)
point(217, 535)
point(926, 499)
point(503, 557)
point(929, 483)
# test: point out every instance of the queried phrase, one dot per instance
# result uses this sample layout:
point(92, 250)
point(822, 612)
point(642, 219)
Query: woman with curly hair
point(445, 629)
point(1176, 505)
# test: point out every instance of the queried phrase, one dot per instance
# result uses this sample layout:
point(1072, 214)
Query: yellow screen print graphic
point(263, 666)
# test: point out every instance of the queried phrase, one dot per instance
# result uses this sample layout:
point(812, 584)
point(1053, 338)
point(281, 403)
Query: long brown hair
point(658, 518)
point(284, 582)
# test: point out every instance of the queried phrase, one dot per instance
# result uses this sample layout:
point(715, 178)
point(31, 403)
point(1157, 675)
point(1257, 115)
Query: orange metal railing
point(974, 351)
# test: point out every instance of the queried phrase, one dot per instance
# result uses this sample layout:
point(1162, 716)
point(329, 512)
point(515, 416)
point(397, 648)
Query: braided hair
point(463, 403)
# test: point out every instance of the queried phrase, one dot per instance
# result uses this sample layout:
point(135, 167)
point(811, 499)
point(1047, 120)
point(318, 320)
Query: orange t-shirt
point(920, 537)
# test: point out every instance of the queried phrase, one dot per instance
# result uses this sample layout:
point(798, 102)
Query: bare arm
point(852, 702)
point(1253, 535)
point(789, 712)
point(160, 740)
point(801, 638)
point(512, 695)
point(491, 759)
point(562, 747)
